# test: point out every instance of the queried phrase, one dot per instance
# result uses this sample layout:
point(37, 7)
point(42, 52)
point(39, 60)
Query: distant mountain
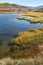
point(38, 9)
point(40, 6)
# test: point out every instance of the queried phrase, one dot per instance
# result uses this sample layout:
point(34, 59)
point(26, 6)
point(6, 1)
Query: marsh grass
point(26, 45)
point(37, 17)
point(31, 35)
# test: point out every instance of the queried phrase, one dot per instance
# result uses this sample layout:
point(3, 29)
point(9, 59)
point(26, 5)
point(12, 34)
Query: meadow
point(35, 17)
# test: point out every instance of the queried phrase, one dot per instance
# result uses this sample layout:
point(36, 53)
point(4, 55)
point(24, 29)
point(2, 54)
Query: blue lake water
point(9, 25)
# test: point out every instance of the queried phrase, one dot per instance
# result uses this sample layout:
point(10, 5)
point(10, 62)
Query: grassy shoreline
point(23, 50)
point(37, 17)
point(26, 45)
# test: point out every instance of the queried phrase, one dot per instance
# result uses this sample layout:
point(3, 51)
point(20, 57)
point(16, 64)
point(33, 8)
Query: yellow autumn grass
point(35, 17)
point(35, 14)
point(25, 37)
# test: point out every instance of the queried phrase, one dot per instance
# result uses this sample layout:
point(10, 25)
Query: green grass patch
point(4, 5)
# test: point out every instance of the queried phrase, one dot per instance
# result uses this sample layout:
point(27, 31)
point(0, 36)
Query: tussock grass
point(26, 45)
point(31, 35)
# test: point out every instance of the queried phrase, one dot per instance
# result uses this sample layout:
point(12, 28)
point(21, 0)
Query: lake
point(10, 26)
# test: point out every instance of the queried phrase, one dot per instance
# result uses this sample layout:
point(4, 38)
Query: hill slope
point(6, 7)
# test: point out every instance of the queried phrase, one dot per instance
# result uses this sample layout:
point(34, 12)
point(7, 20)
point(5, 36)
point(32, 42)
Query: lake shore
point(35, 17)
point(27, 45)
